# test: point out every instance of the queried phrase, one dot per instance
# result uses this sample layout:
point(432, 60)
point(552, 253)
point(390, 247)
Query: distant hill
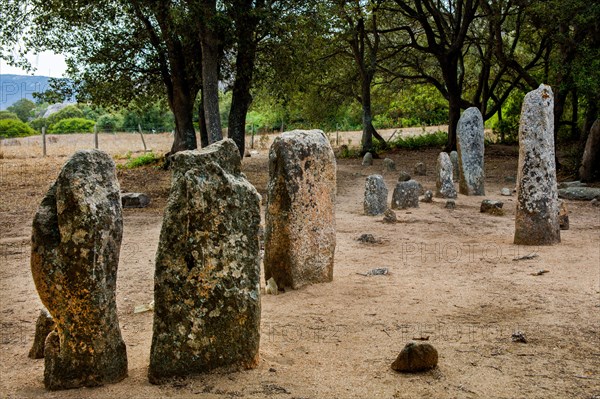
point(15, 87)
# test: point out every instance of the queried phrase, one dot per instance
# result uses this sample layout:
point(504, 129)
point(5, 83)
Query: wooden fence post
point(96, 136)
point(142, 136)
point(44, 141)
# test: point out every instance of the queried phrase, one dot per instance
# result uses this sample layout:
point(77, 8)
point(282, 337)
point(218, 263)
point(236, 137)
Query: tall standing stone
point(376, 193)
point(444, 183)
point(470, 143)
point(536, 220)
point(300, 214)
point(76, 239)
point(207, 278)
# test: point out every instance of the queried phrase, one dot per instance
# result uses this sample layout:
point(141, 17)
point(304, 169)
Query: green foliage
point(8, 115)
point(148, 158)
point(72, 125)
point(153, 117)
point(425, 140)
point(14, 128)
point(109, 122)
point(348, 152)
point(23, 108)
point(507, 129)
point(38, 123)
point(69, 112)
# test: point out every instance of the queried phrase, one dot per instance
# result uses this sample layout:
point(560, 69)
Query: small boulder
point(579, 193)
point(563, 216)
point(367, 159)
point(389, 165)
point(568, 184)
point(420, 169)
point(506, 192)
point(492, 207)
point(450, 204)
point(404, 176)
point(427, 197)
point(134, 200)
point(43, 326)
point(406, 195)
point(389, 216)
point(416, 357)
point(595, 202)
point(368, 239)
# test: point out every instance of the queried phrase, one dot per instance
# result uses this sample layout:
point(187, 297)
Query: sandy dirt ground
point(452, 278)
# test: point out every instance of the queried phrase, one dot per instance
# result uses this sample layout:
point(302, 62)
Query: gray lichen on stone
point(536, 219)
point(76, 241)
point(376, 193)
point(444, 179)
point(300, 214)
point(471, 148)
point(207, 278)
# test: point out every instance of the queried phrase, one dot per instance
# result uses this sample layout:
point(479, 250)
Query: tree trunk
point(210, 71)
point(202, 123)
point(244, 67)
point(182, 105)
point(590, 164)
point(453, 117)
point(369, 131)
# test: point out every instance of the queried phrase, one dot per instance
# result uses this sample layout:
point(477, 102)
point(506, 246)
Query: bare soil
point(453, 280)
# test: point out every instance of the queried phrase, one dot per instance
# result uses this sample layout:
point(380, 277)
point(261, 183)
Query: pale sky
point(46, 64)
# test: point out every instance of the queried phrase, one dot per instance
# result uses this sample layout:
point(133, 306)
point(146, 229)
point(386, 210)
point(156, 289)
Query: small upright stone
point(563, 216)
point(444, 183)
point(450, 204)
point(416, 357)
point(367, 159)
point(300, 212)
point(376, 194)
point(455, 168)
point(427, 197)
point(470, 143)
point(404, 176)
point(536, 220)
point(406, 195)
point(43, 327)
point(420, 169)
point(134, 200)
point(590, 162)
point(76, 239)
point(506, 192)
point(389, 165)
point(207, 276)
point(492, 207)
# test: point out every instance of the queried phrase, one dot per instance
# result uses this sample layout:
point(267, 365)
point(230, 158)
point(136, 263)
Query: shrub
point(148, 158)
point(14, 128)
point(8, 115)
point(72, 125)
point(38, 123)
point(109, 122)
point(68, 112)
point(437, 139)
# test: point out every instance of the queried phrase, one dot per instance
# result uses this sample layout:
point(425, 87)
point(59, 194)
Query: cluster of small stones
point(207, 276)
point(300, 215)
point(376, 193)
point(76, 239)
point(536, 220)
point(470, 143)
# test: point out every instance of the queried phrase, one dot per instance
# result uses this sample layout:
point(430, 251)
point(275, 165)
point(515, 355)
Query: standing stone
point(416, 357)
point(389, 165)
point(367, 159)
point(420, 169)
point(300, 213)
point(444, 183)
point(43, 327)
point(389, 216)
point(76, 239)
point(406, 195)
point(450, 204)
point(375, 195)
point(455, 168)
point(536, 220)
point(470, 143)
point(590, 162)
point(207, 277)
